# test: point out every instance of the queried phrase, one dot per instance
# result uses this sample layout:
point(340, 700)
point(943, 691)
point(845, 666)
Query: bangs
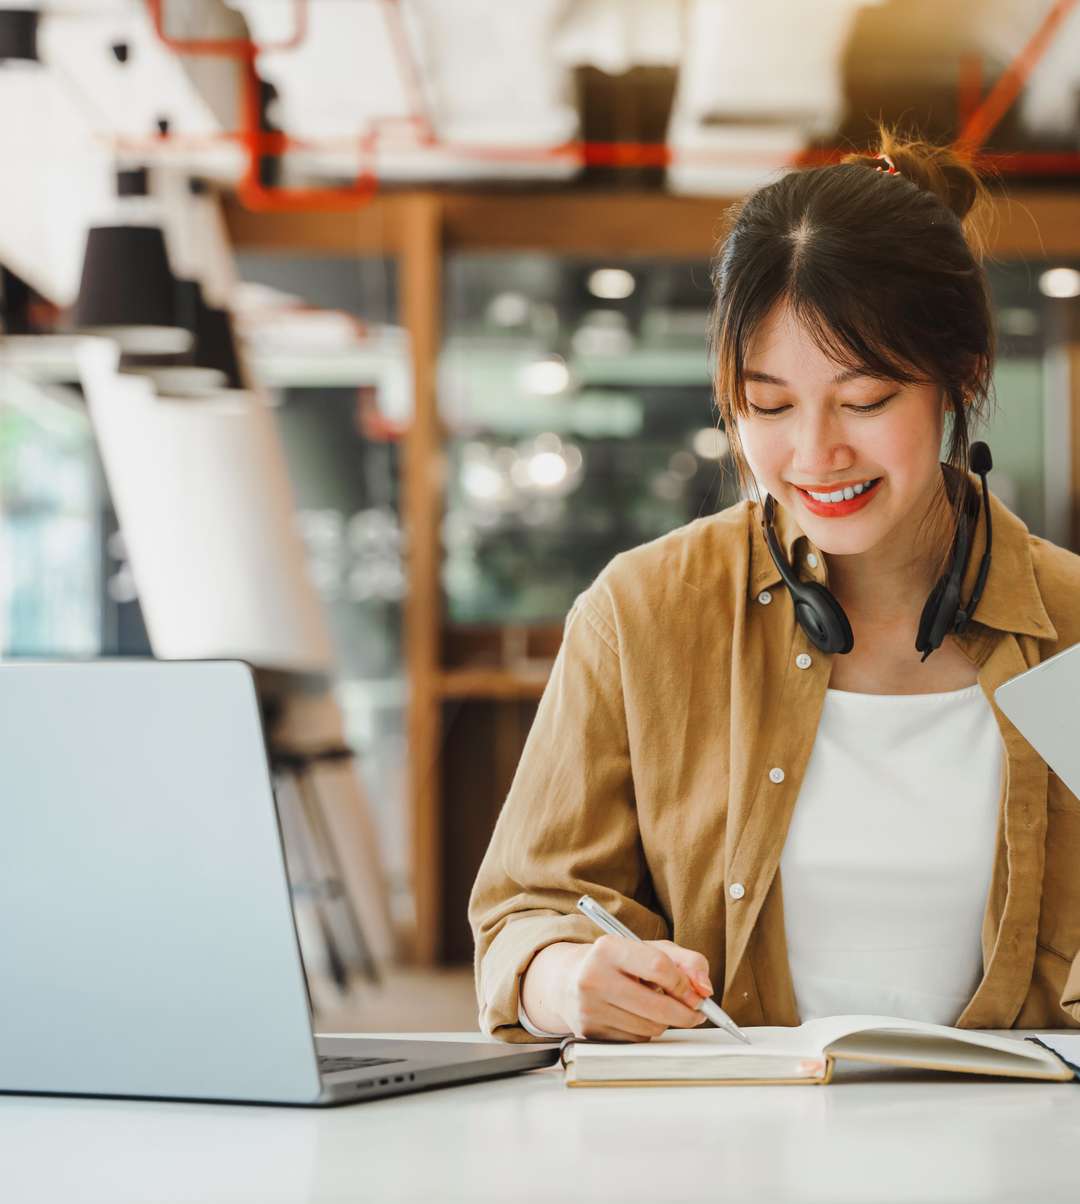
point(848, 329)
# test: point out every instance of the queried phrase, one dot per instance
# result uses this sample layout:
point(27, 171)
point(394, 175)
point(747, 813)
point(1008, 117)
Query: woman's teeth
point(840, 495)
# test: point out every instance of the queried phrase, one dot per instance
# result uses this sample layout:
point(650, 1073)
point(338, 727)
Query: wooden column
point(420, 278)
point(1073, 359)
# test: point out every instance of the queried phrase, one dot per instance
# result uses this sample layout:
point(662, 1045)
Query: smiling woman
point(852, 315)
point(822, 825)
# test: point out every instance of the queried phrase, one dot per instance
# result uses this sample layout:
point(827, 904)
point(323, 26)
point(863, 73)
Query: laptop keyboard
point(329, 1064)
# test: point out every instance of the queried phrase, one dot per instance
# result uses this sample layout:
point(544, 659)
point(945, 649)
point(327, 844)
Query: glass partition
point(578, 406)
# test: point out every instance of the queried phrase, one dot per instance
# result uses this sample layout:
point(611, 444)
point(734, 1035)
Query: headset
point(822, 617)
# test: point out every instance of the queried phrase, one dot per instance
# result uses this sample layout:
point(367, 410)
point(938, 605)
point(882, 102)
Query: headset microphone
point(822, 617)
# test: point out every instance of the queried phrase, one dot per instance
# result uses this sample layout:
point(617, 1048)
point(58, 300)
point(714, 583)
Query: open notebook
point(805, 1054)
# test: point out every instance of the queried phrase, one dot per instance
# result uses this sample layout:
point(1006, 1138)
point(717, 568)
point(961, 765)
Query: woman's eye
point(767, 412)
point(877, 405)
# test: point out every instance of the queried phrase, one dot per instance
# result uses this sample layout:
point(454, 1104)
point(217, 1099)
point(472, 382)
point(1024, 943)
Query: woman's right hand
point(617, 989)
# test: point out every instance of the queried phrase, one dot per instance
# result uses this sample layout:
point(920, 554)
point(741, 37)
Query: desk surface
point(871, 1136)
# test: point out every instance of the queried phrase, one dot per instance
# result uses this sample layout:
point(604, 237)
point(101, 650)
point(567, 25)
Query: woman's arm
point(568, 827)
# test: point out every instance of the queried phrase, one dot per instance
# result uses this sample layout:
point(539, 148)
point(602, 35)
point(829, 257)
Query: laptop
point(1042, 705)
point(149, 947)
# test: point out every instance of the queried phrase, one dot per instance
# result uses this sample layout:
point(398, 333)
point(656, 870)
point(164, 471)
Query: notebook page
point(1066, 1046)
point(809, 1040)
point(832, 1029)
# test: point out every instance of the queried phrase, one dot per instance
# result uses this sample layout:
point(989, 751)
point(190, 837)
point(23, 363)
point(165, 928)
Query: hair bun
point(937, 169)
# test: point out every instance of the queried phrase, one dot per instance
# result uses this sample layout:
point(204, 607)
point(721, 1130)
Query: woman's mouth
point(848, 500)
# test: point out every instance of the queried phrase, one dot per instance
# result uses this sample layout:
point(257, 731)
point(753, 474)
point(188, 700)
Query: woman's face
point(813, 426)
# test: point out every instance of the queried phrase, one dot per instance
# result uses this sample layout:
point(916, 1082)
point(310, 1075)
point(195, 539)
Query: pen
point(602, 918)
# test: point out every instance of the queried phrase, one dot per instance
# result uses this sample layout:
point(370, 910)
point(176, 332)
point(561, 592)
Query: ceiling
point(715, 95)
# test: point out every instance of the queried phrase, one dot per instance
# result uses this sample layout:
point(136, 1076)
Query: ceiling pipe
point(228, 47)
point(251, 191)
point(1005, 91)
point(257, 142)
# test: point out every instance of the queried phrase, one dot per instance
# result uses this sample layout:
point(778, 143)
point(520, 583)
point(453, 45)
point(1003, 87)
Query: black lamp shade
point(215, 342)
point(128, 290)
point(215, 345)
point(18, 34)
point(133, 181)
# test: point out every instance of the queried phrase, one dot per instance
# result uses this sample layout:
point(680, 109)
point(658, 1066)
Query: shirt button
point(736, 890)
point(776, 774)
point(811, 560)
point(803, 660)
point(764, 597)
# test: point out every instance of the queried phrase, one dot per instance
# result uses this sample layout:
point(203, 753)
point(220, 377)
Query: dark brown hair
point(882, 271)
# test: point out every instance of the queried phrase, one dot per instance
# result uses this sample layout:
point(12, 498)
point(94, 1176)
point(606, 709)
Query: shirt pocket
point(1059, 921)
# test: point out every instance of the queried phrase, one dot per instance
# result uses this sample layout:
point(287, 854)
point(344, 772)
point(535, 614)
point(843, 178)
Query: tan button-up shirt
point(666, 756)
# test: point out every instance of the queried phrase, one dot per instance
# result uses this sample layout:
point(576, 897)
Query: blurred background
point(353, 337)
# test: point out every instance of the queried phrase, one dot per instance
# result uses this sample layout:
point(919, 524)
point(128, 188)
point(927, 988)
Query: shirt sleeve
point(568, 826)
point(529, 1027)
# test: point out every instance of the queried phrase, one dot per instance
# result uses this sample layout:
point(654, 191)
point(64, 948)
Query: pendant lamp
point(128, 291)
point(18, 34)
point(215, 340)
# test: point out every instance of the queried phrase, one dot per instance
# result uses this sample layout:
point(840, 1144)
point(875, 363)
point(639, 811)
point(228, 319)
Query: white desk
point(871, 1136)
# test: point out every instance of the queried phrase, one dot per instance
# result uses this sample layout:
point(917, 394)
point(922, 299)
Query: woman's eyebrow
point(766, 379)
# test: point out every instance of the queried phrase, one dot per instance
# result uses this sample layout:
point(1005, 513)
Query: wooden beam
point(374, 228)
point(1035, 225)
point(1024, 224)
point(420, 275)
point(586, 223)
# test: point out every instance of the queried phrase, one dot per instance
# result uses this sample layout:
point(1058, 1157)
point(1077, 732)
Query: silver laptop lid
point(1042, 703)
point(146, 928)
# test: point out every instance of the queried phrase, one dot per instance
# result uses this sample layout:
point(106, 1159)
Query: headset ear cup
point(937, 616)
point(822, 618)
point(926, 619)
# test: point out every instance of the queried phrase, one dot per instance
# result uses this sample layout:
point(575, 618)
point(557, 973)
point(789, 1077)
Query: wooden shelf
point(492, 683)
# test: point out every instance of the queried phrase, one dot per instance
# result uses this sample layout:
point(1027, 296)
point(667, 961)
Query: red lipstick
point(838, 509)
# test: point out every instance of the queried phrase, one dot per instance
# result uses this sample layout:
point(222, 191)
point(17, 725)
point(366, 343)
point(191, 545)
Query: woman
point(815, 830)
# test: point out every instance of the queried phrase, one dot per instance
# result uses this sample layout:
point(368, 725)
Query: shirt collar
point(1010, 602)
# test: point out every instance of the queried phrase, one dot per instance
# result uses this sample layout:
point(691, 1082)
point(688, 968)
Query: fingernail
point(705, 985)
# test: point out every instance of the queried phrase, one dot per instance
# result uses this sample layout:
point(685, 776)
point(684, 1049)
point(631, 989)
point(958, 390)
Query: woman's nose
point(819, 446)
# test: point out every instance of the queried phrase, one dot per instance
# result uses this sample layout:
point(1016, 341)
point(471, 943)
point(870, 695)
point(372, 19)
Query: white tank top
point(887, 863)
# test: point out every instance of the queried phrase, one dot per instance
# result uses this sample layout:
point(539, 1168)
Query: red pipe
point(410, 73)
point(235, 48)
point(627, 154)
point(251, 191)
point(1001, 96)
point(258, 142)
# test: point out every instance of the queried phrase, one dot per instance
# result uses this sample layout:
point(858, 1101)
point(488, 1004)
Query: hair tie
point(885, 164)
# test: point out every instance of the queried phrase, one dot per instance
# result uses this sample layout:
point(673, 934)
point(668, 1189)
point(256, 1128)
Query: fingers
point(633, 1026)
point(624, 990)
point(648, 961)
point(694, 965)
point(654, 1005)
